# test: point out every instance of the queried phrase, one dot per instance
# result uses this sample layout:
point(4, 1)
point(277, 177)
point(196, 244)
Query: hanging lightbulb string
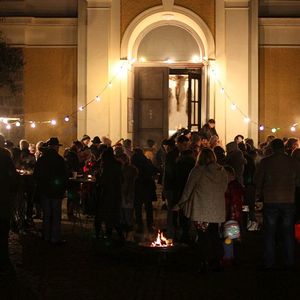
point(17, 121)
point(98, 97)
point(234, 106)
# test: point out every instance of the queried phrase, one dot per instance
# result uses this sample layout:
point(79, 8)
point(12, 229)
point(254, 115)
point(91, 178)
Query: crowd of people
point(204, 185)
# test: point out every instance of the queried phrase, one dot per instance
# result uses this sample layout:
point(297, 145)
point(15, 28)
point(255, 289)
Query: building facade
point(142, 69)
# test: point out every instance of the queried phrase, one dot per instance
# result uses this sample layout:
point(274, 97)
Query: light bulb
point(81, 108)
point(18, 124)
point(8, 126)
point(246, 119)
point(110, 84)
point(196, 59)
point(222, 90)
point(53, 122)
point(98, 98)
point(261, 127)
point(233, 106)
point(273, 130)
point(33, 125)
point(293, 128)
point(67, 118)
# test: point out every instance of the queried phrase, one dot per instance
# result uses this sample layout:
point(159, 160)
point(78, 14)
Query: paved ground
point(85, 268)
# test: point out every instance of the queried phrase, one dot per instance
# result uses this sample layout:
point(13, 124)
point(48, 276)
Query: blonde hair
point(206, 157)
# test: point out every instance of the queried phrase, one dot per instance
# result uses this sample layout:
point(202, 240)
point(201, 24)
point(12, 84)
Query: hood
point(232, 146)
point(215, 172)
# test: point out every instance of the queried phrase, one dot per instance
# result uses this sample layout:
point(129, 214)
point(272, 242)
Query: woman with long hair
point(203, 201)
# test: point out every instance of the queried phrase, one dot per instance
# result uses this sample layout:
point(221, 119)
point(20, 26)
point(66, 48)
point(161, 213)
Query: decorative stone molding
point(236, 4)
point(157, 16)
point(39, 32)
point(279, 32)
point(168, 4)
point(98, 3)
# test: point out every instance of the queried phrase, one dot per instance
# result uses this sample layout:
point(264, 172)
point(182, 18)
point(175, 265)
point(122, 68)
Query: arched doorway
point(168, 85)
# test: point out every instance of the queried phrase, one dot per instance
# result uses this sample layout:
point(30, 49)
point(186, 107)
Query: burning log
point(161, 241)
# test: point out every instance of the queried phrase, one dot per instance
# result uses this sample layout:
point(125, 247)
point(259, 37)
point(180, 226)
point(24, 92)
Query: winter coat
point(185, 163)
point(109, 183)
point(145, 188)
point(276, 178)
point(8, 182)
point(203, 198)
point(50, 174)
point(130, 174)
point(236, 160)
point(234, 196)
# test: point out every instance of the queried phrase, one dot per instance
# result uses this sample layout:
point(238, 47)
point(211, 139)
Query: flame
point(161, 241)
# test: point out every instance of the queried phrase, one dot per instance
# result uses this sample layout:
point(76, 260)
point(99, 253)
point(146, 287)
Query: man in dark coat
point(8, 179)
point(51, 177)
point(276, 180)
point(209, 129)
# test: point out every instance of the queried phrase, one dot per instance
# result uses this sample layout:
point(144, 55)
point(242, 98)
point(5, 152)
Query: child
point(234, 203)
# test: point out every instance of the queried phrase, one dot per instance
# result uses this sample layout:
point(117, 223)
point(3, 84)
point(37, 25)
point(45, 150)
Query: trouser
point(51, 218)
point(210, 244)
point(138, 205)
point(4, 233)
point(273, 213)
point(127, 218)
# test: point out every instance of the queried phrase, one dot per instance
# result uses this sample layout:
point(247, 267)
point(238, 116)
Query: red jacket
point(234, 196)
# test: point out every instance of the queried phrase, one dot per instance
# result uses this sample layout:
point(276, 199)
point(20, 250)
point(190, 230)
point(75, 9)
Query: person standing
point(108, 206)
point(203, 201)
point(276, 180)
point(51, 176)
point(8, 180)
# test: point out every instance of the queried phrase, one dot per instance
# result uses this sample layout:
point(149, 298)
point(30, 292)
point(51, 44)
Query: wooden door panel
point(151, 113)
point(150, 105)
point(151, 84)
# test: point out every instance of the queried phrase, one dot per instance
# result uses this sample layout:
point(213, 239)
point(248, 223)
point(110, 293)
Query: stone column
point(237, 66)
point(97, 68)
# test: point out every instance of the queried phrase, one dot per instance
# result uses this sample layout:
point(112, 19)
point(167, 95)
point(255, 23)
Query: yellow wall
point(50, 87)
point(132, 8)
point(204, 8)
point(279, 90)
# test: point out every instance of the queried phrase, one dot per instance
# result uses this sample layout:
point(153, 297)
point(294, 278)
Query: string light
point(196, 59)
point(8, 126)
point(125, 66)
point(233, 106)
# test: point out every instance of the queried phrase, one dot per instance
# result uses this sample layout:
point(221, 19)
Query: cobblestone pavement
point(85, 268)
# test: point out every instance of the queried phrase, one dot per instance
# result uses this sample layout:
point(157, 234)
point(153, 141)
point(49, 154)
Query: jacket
point(51, 175)
point(276, 178)
point(204, 193)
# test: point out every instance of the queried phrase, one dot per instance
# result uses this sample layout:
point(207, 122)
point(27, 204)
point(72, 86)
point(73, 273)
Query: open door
point(194, 101)
point(150, 105)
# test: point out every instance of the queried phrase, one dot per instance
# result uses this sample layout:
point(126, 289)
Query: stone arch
point(158, 16)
